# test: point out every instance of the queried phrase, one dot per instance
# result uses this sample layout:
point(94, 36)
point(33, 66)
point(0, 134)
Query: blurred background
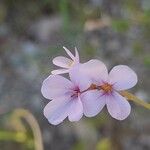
point(32, 32)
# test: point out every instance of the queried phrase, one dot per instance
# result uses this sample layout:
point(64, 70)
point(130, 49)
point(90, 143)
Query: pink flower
point(107, 89)
point(65, 62)
point(65, 95)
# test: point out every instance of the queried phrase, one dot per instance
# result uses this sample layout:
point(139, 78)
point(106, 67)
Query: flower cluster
point(89, 89)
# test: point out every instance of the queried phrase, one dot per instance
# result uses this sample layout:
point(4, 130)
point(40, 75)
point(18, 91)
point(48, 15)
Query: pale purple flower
point(107, 89)
point(65, 95)
point(65, 63)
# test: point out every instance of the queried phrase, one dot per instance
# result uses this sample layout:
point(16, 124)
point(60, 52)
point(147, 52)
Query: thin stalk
point(22, 113)
point(130, 96)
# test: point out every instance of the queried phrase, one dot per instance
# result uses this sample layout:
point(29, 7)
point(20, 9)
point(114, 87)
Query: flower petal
point(76, 110)
point(96, 70)
point(69, 53)
point(123, 77)
point(80, 80)
point(118, 107)
point(57, 110)
point(55, 86)
point(63, 62)
point(76, 59)
point(93, 102)
point(59, 71)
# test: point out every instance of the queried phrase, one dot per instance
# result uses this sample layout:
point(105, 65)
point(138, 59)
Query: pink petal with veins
point(69, 53)
point(76, 59)
point(65, 63)
point(78, 78)
point(93, 102)
point(57, 110)
point(122, 77)
point(55, 86)
point(118, 107)
point(62, 62)
point(95, 70)
point(76, 110)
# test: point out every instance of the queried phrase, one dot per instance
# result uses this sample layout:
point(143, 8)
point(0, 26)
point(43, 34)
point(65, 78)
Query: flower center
point(106, 87)
point(76, 92)
point(71, 63)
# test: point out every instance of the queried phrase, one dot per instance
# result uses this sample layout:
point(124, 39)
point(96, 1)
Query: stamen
point(106, 87)
point(92, 87)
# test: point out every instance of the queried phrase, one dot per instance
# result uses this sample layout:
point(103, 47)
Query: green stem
point(22, 113)
point(137, 100)
point(14, 136)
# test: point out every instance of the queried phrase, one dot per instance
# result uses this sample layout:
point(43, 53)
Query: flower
point(106, 89)
point(65, 95)
point(65, 62)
